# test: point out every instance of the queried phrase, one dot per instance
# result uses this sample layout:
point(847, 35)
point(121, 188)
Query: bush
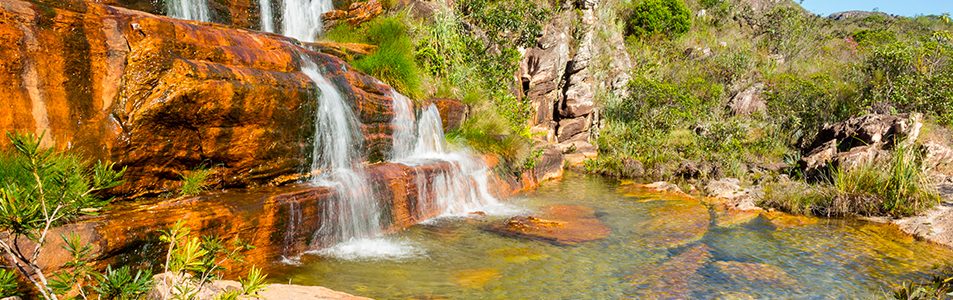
point(670, 18)
point(393, 62)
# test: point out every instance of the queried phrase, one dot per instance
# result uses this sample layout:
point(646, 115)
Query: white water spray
point(301, 19)
point(457, 191)
point(188, 9)
point(351, 221)
point(266, 15)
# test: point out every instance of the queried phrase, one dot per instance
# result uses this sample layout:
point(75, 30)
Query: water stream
point(188, 9)
point(266, 15)
point(301, 19)
point(351, 221)
point(457, 191)
point(647, 255)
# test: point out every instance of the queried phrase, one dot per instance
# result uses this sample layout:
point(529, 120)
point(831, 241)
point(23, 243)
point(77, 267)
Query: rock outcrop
point(279, 221)
point(355, 14)
point(563, 74)
point(860, 140)
point(164, 287)
point(162, 96)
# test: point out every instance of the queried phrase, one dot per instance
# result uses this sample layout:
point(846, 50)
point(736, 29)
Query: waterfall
point(188, 9)
point(351, 220)
point(301, 19)
point(266, 15)
point(461, 189)
point(404, 129)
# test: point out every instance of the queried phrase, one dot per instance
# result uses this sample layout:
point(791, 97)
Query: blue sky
point(897, 7)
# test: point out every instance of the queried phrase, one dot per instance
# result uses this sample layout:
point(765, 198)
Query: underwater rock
point(673, 278)
point(748, 272)
point(518, 254)
point(733, 217)
point(476, 278)
point(676, 223)
point(558, 224)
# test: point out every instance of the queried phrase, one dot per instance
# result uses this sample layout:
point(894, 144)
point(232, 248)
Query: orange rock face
point(559, 224)
point(356, 13)
point(278, 221)
point(162, 96)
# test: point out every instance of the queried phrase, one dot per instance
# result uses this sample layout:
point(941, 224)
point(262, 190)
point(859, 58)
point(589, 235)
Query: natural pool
point(659, 247)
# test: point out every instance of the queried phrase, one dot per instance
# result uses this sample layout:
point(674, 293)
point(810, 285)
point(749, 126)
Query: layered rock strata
point(162, 96)
point(562, 76)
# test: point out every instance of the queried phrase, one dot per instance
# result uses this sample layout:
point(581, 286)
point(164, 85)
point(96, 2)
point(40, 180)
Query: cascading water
point(351, 221)
point(266, 15)
point(461, 189)
point(188, 9)
point(301, 19)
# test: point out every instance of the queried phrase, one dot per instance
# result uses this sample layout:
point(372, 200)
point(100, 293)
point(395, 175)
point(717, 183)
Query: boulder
point(736, 197)
point(355, 14)
point(558, 224)
point(161, 96)
point(569, 128)
point(549, 165)
point(748, 101)
point(860, 141)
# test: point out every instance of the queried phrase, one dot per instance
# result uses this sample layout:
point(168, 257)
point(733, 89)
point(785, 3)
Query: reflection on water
point(658, 248)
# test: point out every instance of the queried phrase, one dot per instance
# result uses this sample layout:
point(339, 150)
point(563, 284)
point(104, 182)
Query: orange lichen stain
point(476, 278)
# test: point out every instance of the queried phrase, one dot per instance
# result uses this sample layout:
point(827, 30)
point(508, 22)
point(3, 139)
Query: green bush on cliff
point(393, 62)
point(670, 18)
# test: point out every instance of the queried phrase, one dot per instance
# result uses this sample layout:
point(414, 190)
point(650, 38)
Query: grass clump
point(940, 287)
point(896, 188)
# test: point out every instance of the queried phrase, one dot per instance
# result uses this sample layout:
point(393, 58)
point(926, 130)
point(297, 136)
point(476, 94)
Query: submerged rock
point(476, 278)
point(518, 254)
point(558, 224)
point(676, 223)
point(673, 278)
point(748, 272)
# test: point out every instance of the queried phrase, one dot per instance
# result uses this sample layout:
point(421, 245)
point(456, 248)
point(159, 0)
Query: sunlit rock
point(558, 224)
point(675, 223)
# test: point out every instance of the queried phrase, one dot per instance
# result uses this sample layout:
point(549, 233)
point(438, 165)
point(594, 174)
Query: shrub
point(671, 18)
point(393, 62)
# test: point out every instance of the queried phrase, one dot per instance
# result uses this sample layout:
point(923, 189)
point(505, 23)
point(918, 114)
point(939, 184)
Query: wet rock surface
point(755, 272)
point(161, 96)
point(355, 14)
point(558, 224)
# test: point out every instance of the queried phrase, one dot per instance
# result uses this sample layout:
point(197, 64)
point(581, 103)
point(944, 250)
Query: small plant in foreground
point(51, 189)
point(194, 182)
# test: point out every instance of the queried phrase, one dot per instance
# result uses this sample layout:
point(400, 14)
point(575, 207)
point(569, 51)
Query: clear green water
point(461, 260)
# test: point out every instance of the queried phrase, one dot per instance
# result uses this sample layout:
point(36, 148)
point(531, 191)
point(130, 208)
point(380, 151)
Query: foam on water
point(372, 249)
